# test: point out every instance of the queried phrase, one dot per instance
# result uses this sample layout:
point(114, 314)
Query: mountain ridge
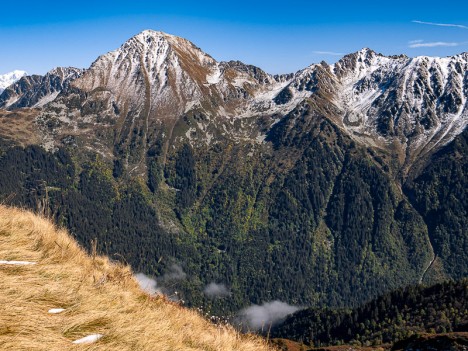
point(387, 319)
point(378, 100)
point(36, 91)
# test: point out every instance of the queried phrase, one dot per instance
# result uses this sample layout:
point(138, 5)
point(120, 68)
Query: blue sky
point(278, 36)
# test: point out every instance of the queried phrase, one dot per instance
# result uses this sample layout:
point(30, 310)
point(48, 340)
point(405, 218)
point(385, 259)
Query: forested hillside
point(439, 194)
point(315, 220)
point(441, 308)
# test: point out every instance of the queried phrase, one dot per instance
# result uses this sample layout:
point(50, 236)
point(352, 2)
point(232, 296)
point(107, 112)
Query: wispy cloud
point(331, 53)
point(164, 284)
point(215, 290)
point(415, 41)
point(441, 24)
point(257, 317)
point(420, 44)
point(148, 284)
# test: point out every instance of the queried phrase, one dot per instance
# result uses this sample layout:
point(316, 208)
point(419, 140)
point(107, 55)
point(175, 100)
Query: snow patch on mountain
point(46, 99)
point(214, 77)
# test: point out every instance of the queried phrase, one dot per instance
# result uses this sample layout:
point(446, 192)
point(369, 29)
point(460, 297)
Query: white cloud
point(256, 317)
point(442, 24)
point(147, 284)
point(331, 53)
point(216, 290)
point(432, 44)
point(415, 41)
point(164, 284)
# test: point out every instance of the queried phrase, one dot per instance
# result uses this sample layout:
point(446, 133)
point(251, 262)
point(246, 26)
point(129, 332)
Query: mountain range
point(325, 187)
point(413, 104)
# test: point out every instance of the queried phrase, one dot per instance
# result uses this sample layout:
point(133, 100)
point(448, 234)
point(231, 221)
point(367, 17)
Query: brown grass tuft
point(99, 296)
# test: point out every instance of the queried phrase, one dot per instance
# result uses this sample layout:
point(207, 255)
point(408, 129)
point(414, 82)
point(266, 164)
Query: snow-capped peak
point(9, 78)
point(149, 33)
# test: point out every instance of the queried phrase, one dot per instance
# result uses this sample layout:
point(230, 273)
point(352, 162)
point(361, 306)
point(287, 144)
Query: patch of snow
point(17, 263)
point(49, 145)
point(209, 137)
point(12, 100)
point(443, 64)
point(56, 310)
point(191, 105)
point(88, 339)
point(188, 134)
point(271, 92)
point(58, 105)
point(201, 126)
point(46, 99)
point(240, 81)
point(260, 138)
point(214, 77)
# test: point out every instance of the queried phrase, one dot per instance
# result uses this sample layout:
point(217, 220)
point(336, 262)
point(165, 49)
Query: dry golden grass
point(99, 297)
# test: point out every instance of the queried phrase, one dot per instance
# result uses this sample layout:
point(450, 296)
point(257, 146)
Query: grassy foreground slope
point(99, 297)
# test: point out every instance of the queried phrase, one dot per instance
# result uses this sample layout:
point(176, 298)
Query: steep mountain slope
point(309, 188)
point(9, 78)
point(416, 103)
point(439, 193)
point(54, 294)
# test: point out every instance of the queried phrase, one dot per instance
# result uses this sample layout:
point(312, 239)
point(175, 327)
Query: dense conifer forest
point(395, 316)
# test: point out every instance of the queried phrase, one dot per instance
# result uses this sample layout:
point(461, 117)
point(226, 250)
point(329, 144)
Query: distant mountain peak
point(367, 51)
point(9, 78)
point(16, 73)
point(157, 41)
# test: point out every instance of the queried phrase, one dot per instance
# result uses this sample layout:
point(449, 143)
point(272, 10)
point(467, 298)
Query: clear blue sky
point(278, 36)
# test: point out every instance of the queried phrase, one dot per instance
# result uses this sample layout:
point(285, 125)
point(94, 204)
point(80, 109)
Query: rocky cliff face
point(418, 103)
point(37, 91)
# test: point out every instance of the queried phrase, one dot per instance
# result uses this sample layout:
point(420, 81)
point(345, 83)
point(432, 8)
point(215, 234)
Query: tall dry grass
point(99, 296)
